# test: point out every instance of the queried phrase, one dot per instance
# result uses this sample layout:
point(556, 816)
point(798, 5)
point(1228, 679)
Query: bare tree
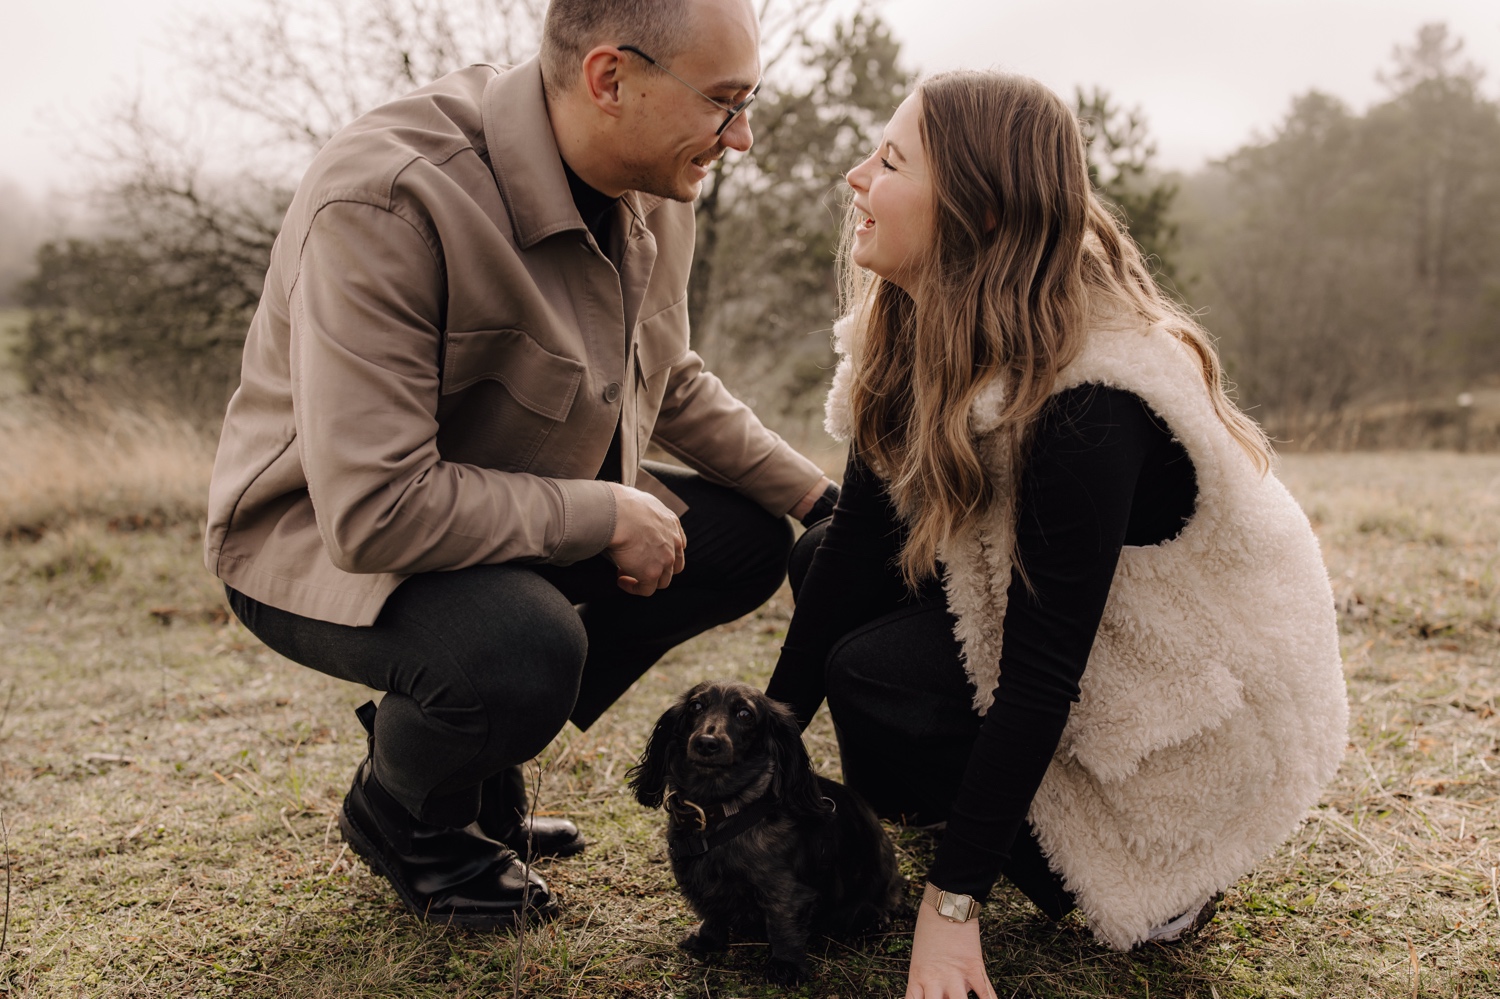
point(306, 68)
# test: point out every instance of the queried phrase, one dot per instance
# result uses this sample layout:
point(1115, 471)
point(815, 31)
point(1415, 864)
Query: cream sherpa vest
point(1213, 709)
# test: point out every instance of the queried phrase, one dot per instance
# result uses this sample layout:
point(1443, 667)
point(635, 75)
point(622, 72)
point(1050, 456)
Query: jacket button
point(612, 392)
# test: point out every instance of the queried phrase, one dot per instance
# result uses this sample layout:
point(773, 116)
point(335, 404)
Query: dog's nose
point(706, 745)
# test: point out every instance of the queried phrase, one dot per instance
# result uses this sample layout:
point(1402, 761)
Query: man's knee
point(506, 653)
point(768, 545)
point(530, 681)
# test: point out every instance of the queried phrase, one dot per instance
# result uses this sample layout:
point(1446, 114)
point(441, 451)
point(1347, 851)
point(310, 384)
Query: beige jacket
point(442, 353)
point(1213, 711)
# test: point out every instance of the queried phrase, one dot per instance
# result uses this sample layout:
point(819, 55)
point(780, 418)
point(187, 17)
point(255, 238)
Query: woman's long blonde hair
point(1023, 254)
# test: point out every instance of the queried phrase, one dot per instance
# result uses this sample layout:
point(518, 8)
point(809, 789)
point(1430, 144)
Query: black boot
point(502, 817)
point(443, 875)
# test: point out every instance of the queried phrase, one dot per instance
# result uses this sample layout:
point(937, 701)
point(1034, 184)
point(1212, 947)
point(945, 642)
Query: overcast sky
point(1209, 74)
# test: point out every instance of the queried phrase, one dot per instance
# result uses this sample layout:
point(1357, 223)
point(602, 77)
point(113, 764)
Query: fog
point(1208, 76)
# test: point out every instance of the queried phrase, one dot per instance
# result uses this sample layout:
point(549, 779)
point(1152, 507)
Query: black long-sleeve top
point(1101, 471)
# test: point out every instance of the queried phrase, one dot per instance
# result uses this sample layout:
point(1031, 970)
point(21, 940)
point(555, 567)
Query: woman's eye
point(885, 163)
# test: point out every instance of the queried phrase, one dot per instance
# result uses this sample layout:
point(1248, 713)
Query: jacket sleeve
point(366, 326)
point(701, 423)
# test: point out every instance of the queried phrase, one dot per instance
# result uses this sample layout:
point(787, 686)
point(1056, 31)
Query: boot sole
point(364, 847)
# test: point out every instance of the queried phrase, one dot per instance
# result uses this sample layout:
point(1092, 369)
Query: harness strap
point(707, 836)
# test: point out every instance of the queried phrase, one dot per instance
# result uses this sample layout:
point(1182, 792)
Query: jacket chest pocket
point(503, 395)
point(660, 344)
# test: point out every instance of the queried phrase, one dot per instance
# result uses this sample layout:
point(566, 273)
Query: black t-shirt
point(594, 207)
point(597, 211)
point(1101, 471)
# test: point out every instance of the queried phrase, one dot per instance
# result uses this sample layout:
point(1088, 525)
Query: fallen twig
point(5, 845)
point(334, 866)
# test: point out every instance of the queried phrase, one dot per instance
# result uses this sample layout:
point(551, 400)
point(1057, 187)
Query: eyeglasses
point(731, 111)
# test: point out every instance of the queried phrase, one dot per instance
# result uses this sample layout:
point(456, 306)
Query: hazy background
point(1321, 180)
point(1209, 75)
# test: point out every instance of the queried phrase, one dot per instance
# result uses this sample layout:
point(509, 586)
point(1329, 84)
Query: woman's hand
point(946, 960)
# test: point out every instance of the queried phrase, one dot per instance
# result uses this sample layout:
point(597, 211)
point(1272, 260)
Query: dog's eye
point(744, 714)
point(695, 706)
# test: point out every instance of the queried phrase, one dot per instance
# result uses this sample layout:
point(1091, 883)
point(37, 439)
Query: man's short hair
point(572, 27)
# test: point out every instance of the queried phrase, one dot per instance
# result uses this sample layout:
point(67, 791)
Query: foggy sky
point(1209, 75)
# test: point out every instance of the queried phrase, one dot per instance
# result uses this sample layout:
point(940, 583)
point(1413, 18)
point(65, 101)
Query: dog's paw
point(697, 943)
point(782, 972)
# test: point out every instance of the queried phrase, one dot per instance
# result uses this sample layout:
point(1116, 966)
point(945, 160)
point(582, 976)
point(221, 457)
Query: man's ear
point(601, 78)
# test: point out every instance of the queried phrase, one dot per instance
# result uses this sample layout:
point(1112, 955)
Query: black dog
point(761, 845)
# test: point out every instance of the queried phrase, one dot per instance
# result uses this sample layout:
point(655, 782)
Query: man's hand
point(648, 544)
point(805, 504)
point(946, 960)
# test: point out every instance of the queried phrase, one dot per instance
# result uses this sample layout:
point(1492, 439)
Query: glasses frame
point(731, 111)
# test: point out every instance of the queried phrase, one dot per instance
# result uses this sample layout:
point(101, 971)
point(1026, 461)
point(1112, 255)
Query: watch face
point(956, 906)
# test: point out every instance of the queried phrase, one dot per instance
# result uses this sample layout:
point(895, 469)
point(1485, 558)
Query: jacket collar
point(526, 163)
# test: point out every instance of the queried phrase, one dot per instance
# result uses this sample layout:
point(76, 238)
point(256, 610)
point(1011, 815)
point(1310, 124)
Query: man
point(430, 478)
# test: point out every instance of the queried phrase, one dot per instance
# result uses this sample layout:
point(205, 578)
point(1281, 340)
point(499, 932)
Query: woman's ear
point(648, 778)
point(799, 789)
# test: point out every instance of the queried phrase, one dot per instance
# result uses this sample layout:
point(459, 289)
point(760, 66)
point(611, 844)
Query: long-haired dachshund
point(761, 846)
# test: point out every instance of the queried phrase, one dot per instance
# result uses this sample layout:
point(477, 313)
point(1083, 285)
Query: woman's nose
point(852, 177)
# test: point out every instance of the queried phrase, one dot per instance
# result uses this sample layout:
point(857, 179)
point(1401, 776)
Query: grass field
point(169, 787)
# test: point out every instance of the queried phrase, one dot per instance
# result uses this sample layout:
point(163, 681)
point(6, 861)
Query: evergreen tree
point(1120, 156)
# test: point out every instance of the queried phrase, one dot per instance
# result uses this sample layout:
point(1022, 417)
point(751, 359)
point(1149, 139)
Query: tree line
point(1354, 258)
point(1347, 259)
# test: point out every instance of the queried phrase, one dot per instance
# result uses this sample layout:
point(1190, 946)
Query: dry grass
point(134, 469)
point(169, 788)
point(1447, 421)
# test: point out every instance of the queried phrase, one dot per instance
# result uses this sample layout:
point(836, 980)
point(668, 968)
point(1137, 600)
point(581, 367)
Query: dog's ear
point(799, 789)
point(648, 778)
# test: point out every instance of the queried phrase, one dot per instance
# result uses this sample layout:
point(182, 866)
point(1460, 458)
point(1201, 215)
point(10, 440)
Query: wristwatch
point(951, 906)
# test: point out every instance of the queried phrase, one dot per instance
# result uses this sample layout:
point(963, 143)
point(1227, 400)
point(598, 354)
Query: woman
point(1062, 605)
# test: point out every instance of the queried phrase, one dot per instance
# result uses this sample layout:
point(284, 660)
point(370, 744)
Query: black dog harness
point(701, 829)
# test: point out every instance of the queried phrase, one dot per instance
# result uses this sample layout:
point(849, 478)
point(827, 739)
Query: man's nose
point(738, 135)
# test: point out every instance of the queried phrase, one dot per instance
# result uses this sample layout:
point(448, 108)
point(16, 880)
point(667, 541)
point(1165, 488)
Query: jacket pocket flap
point(661, 341)
point(1111, 740)
point(543, 382)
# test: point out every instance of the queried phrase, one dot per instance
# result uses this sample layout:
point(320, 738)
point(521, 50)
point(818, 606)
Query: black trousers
point(483, 666)
point(902, 710)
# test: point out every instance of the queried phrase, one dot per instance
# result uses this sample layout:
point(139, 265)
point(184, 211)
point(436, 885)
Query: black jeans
point(483, 666)
point(902, 708)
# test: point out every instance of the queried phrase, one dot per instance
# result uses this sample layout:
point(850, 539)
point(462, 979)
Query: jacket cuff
point(588, 519)
point(782, 478)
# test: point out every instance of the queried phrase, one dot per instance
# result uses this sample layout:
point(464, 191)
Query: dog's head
point(717, 741)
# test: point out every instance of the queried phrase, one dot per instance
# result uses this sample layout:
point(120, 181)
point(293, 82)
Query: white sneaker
point(1186, 924)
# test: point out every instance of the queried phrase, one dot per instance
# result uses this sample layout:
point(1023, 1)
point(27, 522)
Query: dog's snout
point(706, 745)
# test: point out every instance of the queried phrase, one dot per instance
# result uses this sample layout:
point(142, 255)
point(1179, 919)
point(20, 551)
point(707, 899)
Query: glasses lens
point(738, 110)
